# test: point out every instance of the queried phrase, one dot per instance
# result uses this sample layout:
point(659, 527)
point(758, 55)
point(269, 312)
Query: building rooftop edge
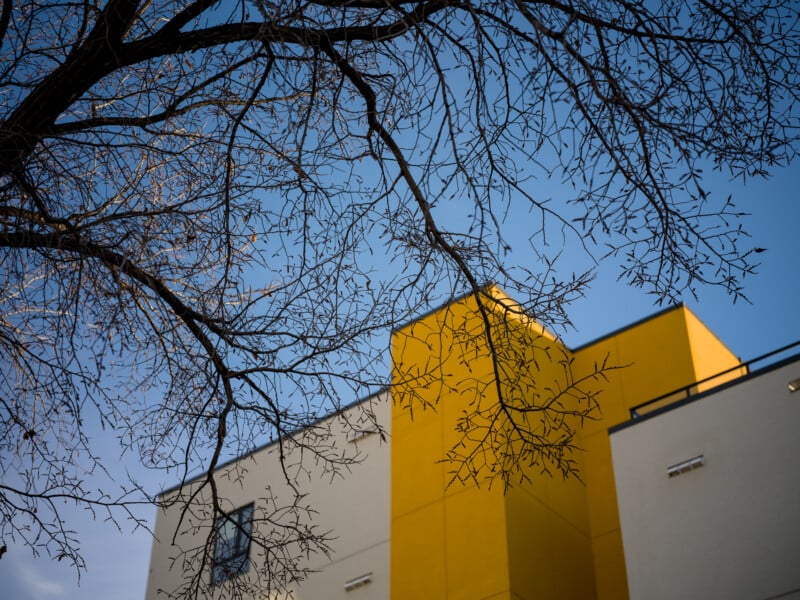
point(636, 323)
point(465, 295)
point(455, 299)
point(261, 447)
point(700, 395)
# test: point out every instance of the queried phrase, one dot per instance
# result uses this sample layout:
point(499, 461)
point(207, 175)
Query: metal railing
point(692, 389)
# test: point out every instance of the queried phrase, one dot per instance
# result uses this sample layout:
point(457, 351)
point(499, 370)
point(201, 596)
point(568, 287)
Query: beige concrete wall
point(730, 528)
point(355, 509)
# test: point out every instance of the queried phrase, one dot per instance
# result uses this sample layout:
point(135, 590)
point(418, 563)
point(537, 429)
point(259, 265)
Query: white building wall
point(731, 527)
point(354, 508)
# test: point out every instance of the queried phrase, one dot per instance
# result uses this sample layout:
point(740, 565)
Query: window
point(232, 549)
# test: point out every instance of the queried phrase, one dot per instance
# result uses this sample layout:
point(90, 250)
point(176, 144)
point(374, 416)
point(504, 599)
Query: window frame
point(232, 553)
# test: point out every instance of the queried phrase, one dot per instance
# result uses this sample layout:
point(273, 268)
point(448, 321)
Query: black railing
point(692, 389)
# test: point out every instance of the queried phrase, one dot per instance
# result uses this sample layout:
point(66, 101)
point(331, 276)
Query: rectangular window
point(232, 548)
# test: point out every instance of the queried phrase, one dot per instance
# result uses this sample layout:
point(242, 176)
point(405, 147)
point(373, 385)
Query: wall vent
point(686, 466)
point(358, 582)
point(359, 434)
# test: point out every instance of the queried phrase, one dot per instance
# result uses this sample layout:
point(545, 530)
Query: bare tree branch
point(213, 213)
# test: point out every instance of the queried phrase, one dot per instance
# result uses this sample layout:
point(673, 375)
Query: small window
point(232, 549)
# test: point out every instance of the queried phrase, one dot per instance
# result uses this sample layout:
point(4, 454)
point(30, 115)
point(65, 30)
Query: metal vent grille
point(686, 466)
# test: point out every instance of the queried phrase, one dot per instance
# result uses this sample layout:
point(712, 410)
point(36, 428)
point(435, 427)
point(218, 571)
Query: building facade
point(709, 492)
point(354, 508)
point(426, 514)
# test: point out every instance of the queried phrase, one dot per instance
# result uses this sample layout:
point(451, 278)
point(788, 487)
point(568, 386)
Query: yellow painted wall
point(550, 553)
point(710, 355)
point(547, 538)
point(658, 355)
point(550, 549)
point(479, 542)
point(446, 542)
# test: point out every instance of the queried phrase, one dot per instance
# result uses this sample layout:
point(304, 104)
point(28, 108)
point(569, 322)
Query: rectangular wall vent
point(358, 582)
point(360, 434)
point(686, 466)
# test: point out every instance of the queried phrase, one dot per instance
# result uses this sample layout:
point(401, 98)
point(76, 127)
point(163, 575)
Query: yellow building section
point(468, 406)
point(441, 533)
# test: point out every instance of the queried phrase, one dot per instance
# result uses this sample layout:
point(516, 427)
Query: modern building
point(686, 486)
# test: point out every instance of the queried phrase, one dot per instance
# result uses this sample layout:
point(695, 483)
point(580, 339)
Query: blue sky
point(772, 317)
point(118, 561)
